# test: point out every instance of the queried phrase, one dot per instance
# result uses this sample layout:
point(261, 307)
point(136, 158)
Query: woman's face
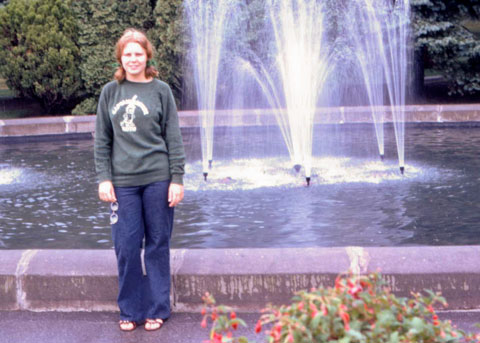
point(134, 61)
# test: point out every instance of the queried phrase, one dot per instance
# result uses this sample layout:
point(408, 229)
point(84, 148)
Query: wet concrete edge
point(247, 279)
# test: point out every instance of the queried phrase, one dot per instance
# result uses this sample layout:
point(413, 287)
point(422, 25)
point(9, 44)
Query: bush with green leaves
point(223, 321)
point(38, 51)
point(446, 43)
point(101, 23)
point(168, 36)
point(355, 309)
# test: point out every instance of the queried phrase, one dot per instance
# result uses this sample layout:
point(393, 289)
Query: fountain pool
point(254, 198)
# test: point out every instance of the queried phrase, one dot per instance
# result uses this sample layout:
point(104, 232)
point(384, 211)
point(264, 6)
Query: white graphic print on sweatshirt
point(127, 123)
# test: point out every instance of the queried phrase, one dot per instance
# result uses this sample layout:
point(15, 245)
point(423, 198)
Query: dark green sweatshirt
point(137, 135)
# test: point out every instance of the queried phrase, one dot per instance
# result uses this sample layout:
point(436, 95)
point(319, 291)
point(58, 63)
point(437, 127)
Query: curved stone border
point(86, 280)
point(75, 125)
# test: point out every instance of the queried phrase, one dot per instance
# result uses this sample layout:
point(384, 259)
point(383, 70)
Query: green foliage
point(87, 106)
point(101, 23)
point(223, 324)
point(38, 52)
point(356, 309)
point(168, 36)
point(446, 44)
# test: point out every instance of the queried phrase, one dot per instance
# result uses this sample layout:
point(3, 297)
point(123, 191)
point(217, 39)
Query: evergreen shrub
point(101, 23)
point(38, 51)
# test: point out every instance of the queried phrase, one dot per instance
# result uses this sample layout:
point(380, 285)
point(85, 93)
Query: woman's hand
point(175, 194)
point(106, 191)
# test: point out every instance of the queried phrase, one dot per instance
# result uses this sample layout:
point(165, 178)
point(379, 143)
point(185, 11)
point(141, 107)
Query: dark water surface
point(253, 198)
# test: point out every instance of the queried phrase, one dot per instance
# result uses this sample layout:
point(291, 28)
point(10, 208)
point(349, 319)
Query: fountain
point(293, 80)
point(366, 35)
point(252, 198)
point(380, 32)
point(396, 70)
point(207, 20)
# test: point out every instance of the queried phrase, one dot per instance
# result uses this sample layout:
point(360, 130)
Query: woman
point(139, 159)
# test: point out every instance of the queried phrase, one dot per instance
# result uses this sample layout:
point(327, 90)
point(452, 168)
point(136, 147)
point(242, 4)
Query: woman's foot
point(153, 324)
point(126, 325)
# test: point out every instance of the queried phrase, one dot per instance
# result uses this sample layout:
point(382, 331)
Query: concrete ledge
point(248, 279)
point(71, 125)
point(47, 126)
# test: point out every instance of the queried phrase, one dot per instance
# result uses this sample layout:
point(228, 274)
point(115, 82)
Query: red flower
point(235, 325)
point(313, 309)
point(258, 327)
point(204, 311)
point(233, 315)
point(324, 309)
point(369, 310)
point(353, 291)
point(203, 324)
point(338, 284)
point(345, 316)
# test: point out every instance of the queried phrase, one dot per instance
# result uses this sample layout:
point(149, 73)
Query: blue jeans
point(143, 212)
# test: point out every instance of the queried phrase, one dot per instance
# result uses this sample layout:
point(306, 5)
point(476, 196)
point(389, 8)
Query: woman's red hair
point(133, 35)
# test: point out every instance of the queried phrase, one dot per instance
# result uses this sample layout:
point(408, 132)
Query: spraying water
point(293, 83)
point(206, 20)
point(299, 62)
point(366, 33)
point(302, 66)
point(380, 37)
point(396, 57)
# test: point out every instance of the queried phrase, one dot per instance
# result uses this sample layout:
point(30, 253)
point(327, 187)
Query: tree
point(101, 23)
point(38, 52)
point(445, 44)
point(169, 39)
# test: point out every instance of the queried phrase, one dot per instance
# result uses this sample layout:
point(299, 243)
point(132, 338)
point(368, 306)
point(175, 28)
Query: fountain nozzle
point(205, 176)
point(402, 170)
point(297, 167)
point(210, 163)
point(382, 157)
point(308, 180)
